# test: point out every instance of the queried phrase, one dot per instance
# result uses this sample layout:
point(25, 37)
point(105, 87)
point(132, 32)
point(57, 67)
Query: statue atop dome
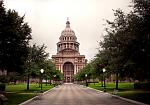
point(67, 23)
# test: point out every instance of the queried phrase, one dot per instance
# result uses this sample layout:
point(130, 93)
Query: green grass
point(17, 98)
point(125, 90)
point(23, 88)
point(140, 95)
point(18, 93)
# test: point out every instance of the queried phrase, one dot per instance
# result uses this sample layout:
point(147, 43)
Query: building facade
point(68, 59)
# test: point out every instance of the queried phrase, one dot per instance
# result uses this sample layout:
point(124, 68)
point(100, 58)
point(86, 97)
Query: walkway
point(71, 94)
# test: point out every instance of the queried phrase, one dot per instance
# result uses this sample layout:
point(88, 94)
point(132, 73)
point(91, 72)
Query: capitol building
point(68, 59)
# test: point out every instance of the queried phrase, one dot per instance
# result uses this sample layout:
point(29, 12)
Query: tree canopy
point(125, 50)
point(15, 35)
point(127, 41)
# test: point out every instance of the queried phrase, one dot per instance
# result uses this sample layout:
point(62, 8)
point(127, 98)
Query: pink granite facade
point(68, 59)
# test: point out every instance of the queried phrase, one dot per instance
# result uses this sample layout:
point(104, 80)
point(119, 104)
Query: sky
point(47, 18)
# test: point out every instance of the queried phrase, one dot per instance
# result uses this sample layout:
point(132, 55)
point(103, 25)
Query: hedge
point(142, 85)
point(2, 87)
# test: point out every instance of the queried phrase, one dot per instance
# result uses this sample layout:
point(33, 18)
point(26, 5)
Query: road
point(72, 94)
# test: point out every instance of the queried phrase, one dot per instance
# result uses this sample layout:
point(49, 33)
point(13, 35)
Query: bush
point(2, 87)
point(142, 85)
point(4, 79)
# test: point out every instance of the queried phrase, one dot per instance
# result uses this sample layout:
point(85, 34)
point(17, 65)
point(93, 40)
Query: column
point(60, 47)
point(67, 45)
point(75, 69)
point(61, 68)
point(73, 46)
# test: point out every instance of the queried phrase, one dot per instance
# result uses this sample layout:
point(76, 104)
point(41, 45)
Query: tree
point(14, 40)
point(142, 53)
point(36, 60)
point(13, 77)
point(85, 73)
point(127, 42)
point(101, 61)
point(114, 43)
point(50, 70)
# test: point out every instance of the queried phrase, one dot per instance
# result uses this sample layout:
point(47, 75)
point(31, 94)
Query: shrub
point(142, 85)
point(2, 87)
point(4, 79)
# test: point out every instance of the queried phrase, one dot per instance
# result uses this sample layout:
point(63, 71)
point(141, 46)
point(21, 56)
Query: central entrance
point(68, 72)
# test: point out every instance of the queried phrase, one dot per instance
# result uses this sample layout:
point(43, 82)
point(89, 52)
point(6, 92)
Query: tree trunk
point(102, 82)
point(116, 80)
point(50, 82)
point(40, 81)
point(28, 79)
point(46, 81)
point(93, 80)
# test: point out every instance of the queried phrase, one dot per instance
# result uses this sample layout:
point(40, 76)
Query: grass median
point(17, 94)
point(125, 90)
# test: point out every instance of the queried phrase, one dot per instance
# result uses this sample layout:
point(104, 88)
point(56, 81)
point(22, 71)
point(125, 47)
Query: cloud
point(48, 17)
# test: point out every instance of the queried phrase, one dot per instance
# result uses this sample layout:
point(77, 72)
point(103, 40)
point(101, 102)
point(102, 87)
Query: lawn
point(125, 90)
point(17, 94)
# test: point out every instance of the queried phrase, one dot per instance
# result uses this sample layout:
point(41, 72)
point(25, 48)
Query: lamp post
point(42, 70)
point(54, 80)
point(28, 75)
point(86, 79)
point(104, 70)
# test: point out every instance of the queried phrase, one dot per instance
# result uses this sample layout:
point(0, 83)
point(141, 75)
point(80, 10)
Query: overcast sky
point(47, 18)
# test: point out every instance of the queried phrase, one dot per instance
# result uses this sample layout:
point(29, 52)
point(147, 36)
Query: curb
point(36, 97)
point(122, 98)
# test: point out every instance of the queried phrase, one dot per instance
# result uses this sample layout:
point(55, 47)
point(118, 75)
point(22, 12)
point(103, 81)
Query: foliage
point(142, 53)
point(125, 48)
point(93, 69)
point(14, 76)
point(50, 71)
point(11, 77)
point(127, 42)
point(142, 85)
point(59, 75)
point(80, 76)
point(14, 40)
point(4, 79)
point(36, 60)
point(2, 87)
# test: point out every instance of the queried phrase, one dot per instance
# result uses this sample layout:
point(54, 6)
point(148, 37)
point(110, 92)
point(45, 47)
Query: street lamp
point(86, 79)
point(28, 75)
point(42, 71)
point(54, 80)
point(104, 70)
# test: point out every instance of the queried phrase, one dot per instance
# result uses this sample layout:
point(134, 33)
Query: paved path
point(71, 94)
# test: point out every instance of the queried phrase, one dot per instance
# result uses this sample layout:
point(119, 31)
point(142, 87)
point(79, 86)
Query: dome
point(68, 34)
point(68, 31)
point(68, 40)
